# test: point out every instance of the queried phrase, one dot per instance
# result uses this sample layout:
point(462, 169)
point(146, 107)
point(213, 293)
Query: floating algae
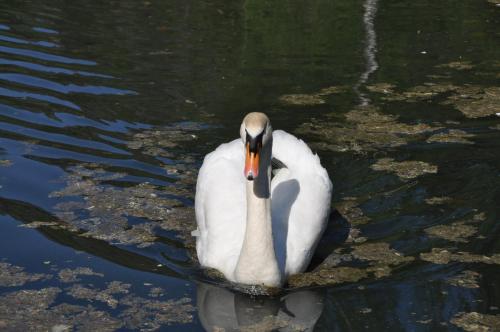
point(11, 275)
point(34, 310)
point(354, 236)
point(328, 276)
point(37, 224)
point(466, 279)
point(366, 130)
point(476, 102)
point(71, 275)
point(31, 310)
point(379, 253)
point(451, 136)
point(158, 142)
point(473, 101)
point(443, 256)
point(385, 88)
point(148, 314)
point(318, 98)
point(350, 210)
point(405, 169)
point(438, 200)
point(458, 65)
point(156, 292)
point(106, 295)
point(476, 322)
point(380, 257)
point(302, 99)
point(426, 91)
point(104, 210)
point(456, 232)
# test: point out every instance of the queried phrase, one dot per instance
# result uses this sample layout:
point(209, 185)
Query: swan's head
point(256, 132)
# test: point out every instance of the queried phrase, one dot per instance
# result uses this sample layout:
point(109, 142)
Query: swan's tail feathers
point(196, 233)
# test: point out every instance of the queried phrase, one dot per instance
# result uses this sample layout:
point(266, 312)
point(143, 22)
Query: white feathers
point(300, 205)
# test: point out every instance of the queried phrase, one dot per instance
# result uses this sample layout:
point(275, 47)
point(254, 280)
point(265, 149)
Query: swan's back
point(300, 202)
point(300, 205)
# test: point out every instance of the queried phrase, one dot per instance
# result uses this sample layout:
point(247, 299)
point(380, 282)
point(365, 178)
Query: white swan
point(254, 230)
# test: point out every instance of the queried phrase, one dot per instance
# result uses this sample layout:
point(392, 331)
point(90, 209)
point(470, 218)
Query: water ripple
point(49, 69)
point(45, 56)
point(36, 96)
point(26, 42)
point(61, 88)
point(45, 30)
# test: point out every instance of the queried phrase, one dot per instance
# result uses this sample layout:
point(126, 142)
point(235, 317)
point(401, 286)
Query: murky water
point(107, 110)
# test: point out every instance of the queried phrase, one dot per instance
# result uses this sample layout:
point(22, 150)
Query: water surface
point(107, 110)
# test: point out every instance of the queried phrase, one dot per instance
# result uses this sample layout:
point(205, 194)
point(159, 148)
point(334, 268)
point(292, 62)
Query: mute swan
point(255, 230)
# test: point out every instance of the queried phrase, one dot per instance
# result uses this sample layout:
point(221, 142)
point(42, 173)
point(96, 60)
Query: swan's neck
point(257, 263)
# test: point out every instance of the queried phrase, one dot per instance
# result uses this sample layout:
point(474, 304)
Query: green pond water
point(108, 108)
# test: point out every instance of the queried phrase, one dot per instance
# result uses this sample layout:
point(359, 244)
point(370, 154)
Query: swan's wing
point(301, 195)
point(220, 207)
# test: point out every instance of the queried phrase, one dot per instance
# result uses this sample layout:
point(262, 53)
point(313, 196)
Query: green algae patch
point(350, 210)
point(473, 101)
point(379, 253)
point(385, 88)
point(36, 310)
point(451, 136)
point(103, 213)
point(476, 322)
point(71, 275)
point(12, 275)
point(312, 99)
point(32, 310)
point(466, 279)
point(427, 91)
point(456, 232)
point(381, 258)
point(406, 169)
point(300, 99)
point(158, 142)
point(38, 224)
point(443, 256)
point(476, 102)
point(367, 129)
point(106, 295)
point(458, 65)
point(328, 276)
point(355, 236)
point(438, 200)
point(149, 314)
point(156, 292)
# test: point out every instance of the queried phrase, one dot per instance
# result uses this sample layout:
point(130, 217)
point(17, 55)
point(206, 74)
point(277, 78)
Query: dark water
point(107, 110)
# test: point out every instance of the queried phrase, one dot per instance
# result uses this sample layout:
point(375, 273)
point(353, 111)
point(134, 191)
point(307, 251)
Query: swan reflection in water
point(223, 309)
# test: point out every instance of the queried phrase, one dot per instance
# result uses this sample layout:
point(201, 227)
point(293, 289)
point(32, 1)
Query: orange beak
point(251, 164)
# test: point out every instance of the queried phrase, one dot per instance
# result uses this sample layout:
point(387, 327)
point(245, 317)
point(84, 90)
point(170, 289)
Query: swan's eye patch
point(255, 143)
